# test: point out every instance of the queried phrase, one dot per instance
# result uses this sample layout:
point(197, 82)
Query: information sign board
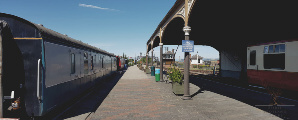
point(187, 45)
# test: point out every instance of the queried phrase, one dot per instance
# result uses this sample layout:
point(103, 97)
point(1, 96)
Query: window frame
point(277, 54)
point(72, 63)
point(267, 49)
point(86, 71)
point(102, 59)
point(92, 63)
point(254, 62)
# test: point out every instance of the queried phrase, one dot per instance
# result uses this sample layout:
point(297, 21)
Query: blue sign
point(187, 45)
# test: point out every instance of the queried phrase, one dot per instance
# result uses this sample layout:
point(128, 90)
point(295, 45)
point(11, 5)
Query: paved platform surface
point(137, 96)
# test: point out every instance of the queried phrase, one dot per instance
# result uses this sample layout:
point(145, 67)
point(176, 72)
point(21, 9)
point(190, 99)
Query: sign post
point(187, 46)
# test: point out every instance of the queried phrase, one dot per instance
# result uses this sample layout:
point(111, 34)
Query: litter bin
point(152, 70)
point(157, 75)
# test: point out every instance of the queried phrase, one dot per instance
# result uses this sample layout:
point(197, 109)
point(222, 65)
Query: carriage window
point(73, 67)
point(102, 63)
point(271, 49)
point(252, 57)
point(92, 65)
point(115, 62)
point(282, 48)
point(99, 59)
point(276, 48)
point(277, 59)
point(274, 61)
point(266, 49)
point(85, 63)
point(95, 62)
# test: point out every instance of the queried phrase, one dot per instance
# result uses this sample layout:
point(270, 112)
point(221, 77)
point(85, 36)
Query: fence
point(199, 69)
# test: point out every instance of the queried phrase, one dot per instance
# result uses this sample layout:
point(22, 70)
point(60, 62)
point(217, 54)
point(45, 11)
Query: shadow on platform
point(91, 102)
point(196, 93)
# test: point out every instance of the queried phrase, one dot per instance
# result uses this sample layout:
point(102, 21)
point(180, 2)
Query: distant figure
point(126, 62)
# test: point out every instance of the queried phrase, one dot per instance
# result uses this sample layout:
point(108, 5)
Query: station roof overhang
point(156, 34)
point(229, 24)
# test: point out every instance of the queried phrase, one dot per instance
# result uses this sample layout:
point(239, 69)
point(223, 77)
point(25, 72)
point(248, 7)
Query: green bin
point(152, 70)
point(157, 75)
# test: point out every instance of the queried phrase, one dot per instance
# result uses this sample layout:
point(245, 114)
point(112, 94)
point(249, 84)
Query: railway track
point(252, 95)
point(233, 82)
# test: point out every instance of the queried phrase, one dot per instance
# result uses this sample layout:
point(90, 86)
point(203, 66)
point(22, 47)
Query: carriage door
point(12, 76)
point(253, 65)
point(252, 60)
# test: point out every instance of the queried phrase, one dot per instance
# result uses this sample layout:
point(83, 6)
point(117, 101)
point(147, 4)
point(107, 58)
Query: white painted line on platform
point(276, 105)
point(256, 86)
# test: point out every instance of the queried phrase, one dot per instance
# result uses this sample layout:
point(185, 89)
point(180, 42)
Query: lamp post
point(186, 30)
point(186, 95)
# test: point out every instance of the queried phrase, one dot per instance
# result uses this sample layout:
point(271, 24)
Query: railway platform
point(137, 96)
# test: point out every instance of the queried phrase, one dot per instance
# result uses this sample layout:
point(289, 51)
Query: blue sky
point(116, 26)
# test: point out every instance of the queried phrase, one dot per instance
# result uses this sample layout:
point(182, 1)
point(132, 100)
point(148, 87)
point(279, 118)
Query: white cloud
point(96, 7)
